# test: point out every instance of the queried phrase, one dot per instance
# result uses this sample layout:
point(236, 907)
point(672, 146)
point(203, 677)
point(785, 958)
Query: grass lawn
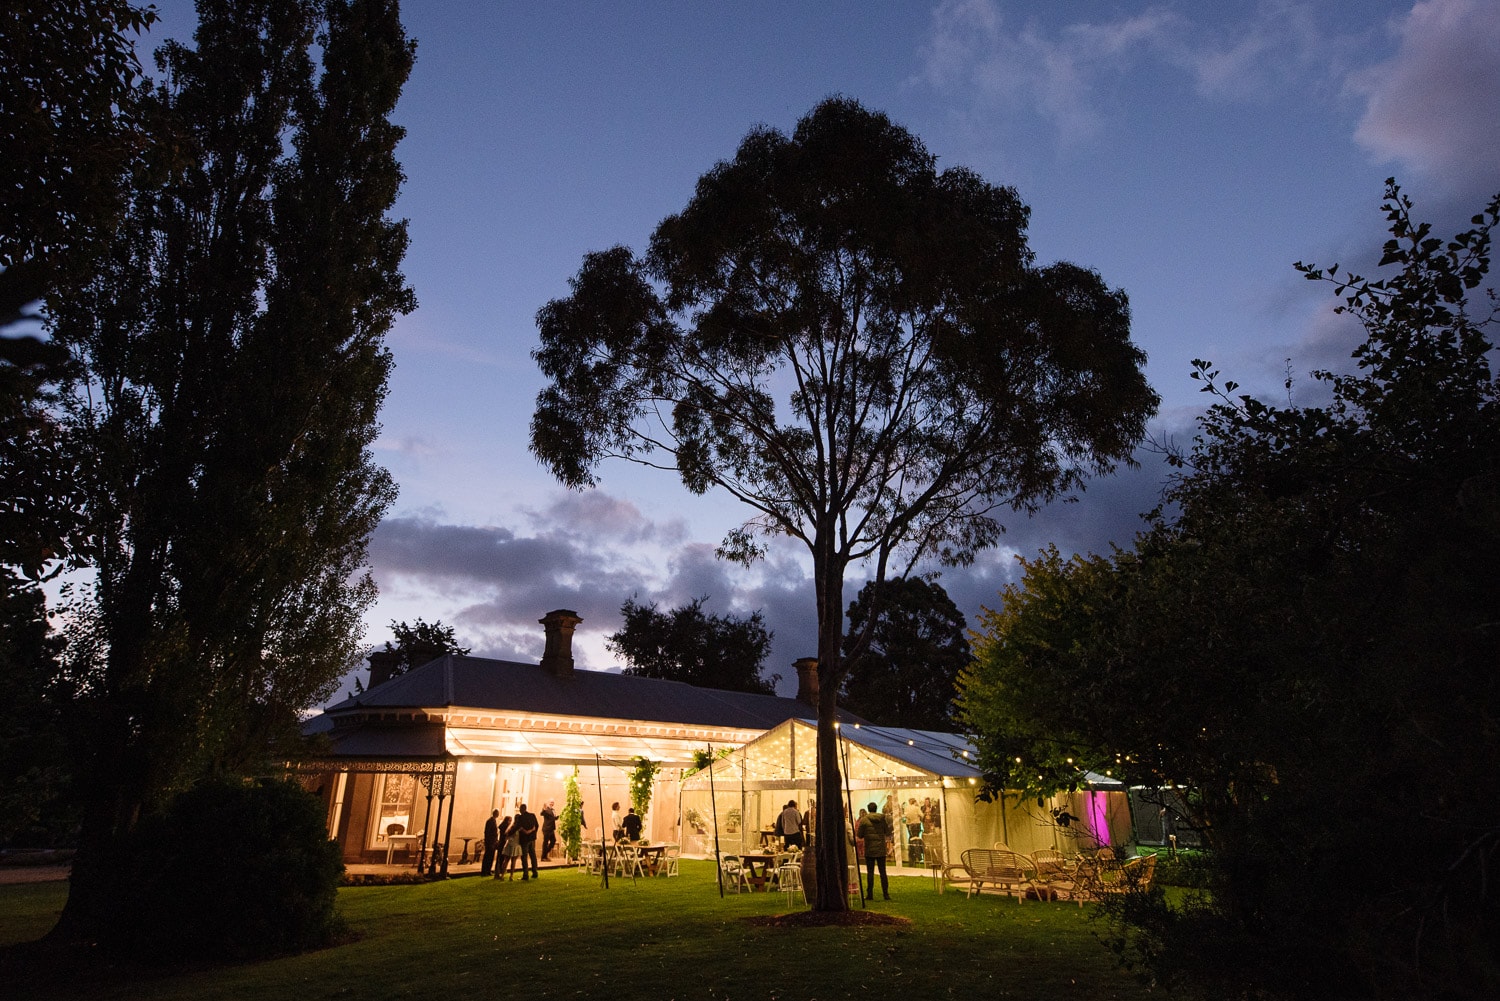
point(564, 936)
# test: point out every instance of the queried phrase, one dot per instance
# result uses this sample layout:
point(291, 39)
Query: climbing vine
point(641, 779)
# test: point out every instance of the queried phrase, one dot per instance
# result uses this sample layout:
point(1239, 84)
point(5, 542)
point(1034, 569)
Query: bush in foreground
point(229, 872)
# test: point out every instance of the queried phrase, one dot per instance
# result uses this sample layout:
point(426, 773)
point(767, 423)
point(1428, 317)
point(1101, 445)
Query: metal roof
point(482, 684)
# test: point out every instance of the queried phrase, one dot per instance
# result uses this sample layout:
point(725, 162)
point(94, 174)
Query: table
point(391, 840)
point(651, 855)
point(758, 869)
point(464, 858)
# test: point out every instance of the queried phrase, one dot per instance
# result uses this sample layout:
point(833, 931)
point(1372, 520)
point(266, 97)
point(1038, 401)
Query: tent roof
point(894, 750)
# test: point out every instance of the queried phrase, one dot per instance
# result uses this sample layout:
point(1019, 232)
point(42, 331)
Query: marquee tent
point(923, 774)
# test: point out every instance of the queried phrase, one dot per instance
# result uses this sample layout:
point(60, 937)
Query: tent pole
point(713, 806)
point(849, 805)
point(599, 785)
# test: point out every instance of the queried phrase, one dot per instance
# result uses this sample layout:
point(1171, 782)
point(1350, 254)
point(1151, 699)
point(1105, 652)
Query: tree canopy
point(70, 123)
point(229, 337)
point(857, 347)
point(414, 645)
point(687, 644)
point(916, 644)
point(1309, 647)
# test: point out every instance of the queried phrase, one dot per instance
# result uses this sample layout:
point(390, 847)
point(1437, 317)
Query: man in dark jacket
point(491, 842)
point(873, 830)
point(549, 828)
point(632, 826)
point(527, 824)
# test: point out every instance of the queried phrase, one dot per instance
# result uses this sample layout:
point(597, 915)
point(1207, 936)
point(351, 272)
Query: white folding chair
point(733, 871)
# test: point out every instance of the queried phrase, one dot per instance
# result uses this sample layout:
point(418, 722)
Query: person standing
point(912, 815)
point(618, 829)
point(549, 828)
point(510, 848)
point(874, 830)
point(631, 825)
point(526, 827)
point(790, 825)
point(491, 842)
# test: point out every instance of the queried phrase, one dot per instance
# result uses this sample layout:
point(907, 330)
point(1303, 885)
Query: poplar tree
point(230, 338)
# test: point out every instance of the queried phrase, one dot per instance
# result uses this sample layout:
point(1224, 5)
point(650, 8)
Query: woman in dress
point(510, 839)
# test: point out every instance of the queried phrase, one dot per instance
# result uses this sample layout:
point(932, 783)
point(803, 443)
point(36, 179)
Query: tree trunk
point(830, 848)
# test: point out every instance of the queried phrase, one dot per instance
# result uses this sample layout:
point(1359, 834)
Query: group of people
point(514, 838)
point(628, 826)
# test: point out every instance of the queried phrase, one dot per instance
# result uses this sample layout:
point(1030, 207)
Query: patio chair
point(1001, 871)
point(1056, 877)
point(628, 860)
point(935, 861)
point(733, 871)
point(1110, 877)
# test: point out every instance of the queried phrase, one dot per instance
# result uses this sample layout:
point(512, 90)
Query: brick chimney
point(807, 680)
point(557, 656)
point(382, 665)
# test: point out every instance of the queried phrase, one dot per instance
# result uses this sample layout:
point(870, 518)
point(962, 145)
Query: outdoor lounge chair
point(1056, 877)
point(1000, 871)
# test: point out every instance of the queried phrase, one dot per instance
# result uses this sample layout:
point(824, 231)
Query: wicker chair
point(1002, 871)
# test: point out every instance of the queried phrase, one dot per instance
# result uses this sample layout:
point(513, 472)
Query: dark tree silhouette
point(687, 644)
point(856, 347)
point(1309, 646)
point(230, 338)
point(916, 645)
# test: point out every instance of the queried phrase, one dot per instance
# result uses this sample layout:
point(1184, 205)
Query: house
point(420, 760)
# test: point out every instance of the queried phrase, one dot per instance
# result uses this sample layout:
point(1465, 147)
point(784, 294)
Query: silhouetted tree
point(915, 647)
point(231, 341)
point(689, 645)
point(858, 348)
point(1310, 646)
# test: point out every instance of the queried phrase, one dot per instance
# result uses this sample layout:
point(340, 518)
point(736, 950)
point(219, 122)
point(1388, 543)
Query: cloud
point(413, 446)
point(492, 583)
point(972, 49)
point(1434, 105)
point(1071, 75)
point(602, 515)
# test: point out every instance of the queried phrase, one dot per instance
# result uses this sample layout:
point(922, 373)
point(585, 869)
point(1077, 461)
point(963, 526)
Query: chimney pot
point(807, 680)
point(382, 666)
point(557, 656)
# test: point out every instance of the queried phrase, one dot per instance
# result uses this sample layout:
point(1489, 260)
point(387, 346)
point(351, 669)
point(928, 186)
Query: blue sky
point(1188, 154)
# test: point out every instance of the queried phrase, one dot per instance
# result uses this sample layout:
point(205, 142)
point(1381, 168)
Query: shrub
point(229, 871)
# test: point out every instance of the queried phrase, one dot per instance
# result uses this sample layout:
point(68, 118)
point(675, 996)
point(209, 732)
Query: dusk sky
point(1188, 152)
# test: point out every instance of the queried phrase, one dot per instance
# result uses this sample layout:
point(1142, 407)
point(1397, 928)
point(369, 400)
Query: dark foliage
point(37, 808)
point(689, 645)
point(229, 341)
point(856, 346)
point(911, 643)
point(227, 872)
point(1311, 648)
